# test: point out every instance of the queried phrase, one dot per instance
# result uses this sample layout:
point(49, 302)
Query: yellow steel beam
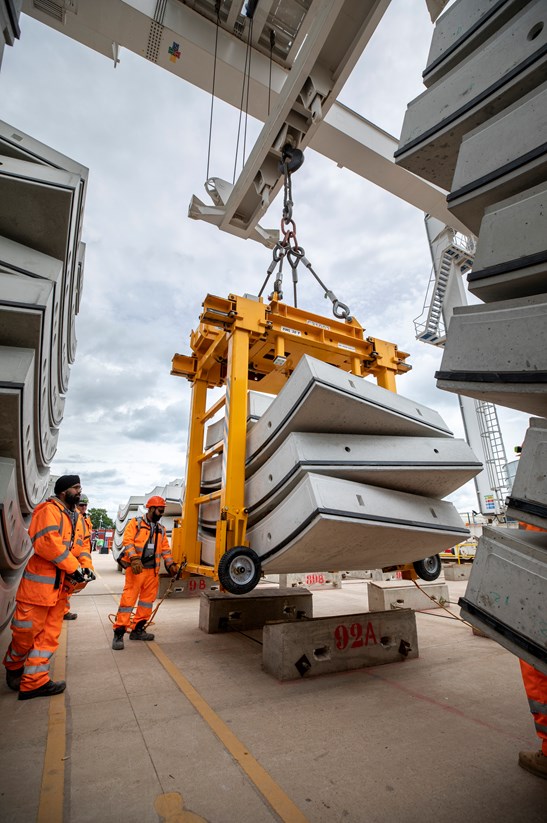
point(232, 499)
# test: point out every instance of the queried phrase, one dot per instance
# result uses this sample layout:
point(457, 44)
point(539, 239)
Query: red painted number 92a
point(352, 637)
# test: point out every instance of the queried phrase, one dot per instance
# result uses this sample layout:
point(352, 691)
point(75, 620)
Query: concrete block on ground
point(405, 595)
point(500, 159)
point(528, 500)
point(508, 66)
point(190, 587)
point(511, 256)
point(311, 580)
point(333, 644)
point(220, 611)
point(498, 353)
point(457, 571)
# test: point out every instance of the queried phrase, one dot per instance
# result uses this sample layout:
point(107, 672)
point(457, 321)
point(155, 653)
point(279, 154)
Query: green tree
point(100, 519)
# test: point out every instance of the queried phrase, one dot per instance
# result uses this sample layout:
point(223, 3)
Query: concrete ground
point(190, 728)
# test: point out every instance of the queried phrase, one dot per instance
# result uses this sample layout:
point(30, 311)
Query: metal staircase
point(453, 255)
point(457, 256)
point(494, 453)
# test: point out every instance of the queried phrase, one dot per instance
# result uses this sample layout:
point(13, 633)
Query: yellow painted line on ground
point(51, 805)
point(272, 793)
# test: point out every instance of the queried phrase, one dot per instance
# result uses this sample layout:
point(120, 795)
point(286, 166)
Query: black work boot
point(13, 678)
point(47, 690)
point(117, 642)
point(140, 633)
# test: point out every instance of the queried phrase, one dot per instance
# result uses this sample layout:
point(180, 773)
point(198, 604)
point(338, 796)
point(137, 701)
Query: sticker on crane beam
point(291, 331)
point(346, 347)
point(317, 325)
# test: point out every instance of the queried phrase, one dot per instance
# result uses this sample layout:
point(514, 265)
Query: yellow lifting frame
point(241, 342)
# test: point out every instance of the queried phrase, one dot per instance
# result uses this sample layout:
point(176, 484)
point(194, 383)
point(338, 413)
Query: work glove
point(78, 576)
point(173, 569)
point(136, 565)
point(89, 575)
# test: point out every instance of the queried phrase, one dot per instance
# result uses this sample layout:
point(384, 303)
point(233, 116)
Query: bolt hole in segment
point(322, 653)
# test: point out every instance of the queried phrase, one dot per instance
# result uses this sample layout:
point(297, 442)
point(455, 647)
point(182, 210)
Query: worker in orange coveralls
point(56, 532)
point(535, 685)
point(86, 548)
point(144, 545)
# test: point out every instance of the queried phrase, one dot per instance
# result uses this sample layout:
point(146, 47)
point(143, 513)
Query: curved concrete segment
point(510, 262)
point(461, 30)
point(328, 523)
point(17, 436)
point(505, 596)
point(498, 353)
point(528, 500)
point(324, 399)
point(500, 158)
point(257, 404)
point(15, 545)
point(430, 466)
point(505, 68)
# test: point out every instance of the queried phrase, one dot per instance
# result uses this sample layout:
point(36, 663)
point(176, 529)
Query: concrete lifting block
point(528, 500)
point(187, 587)
point(500, 158)
point(511, 63)
point(456, 571)
point(461, 30)
point(336, 644)
point(505, 597)
point(311, 580)
point(498, 353)
point(402, 594)
point(219, 611)
point(511, 256)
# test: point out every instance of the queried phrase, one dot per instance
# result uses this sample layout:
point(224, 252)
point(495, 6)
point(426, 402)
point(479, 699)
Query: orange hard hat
point(156, 501)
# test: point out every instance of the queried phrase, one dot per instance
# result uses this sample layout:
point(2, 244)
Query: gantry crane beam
point(153, 29)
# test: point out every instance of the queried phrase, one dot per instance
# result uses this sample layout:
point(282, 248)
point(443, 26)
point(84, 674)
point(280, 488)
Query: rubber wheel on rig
point(429, 568)
point(239, 570)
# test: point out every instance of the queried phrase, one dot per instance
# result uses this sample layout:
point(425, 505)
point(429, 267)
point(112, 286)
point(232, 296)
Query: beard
point(72, 499)
point(155, 517)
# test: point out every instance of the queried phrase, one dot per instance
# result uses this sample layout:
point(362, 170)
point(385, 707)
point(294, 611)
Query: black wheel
point(239, 570)
point(429, 568)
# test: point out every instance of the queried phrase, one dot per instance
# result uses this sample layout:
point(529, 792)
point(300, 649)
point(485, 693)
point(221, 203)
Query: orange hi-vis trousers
point(535, 684)
point(141, 589)
point(35, 638)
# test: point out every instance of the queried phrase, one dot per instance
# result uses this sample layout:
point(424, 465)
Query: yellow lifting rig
point(244, 343)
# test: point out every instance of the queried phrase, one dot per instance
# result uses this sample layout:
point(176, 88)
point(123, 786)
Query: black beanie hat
point(65, 482)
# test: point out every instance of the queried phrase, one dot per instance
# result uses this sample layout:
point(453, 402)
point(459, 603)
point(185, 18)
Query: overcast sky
point(143, 134)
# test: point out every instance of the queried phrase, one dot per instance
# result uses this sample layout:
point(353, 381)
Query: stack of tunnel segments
point(42, 197)
point(480, 130)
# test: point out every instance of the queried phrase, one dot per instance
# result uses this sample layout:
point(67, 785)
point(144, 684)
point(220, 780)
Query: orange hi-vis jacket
point(88, 528)
point(137, 535)
point(57, 548)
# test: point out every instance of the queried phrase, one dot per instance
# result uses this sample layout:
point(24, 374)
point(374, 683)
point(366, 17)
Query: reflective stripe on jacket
point(84, 553)
point(137, 535)
point(55, 548)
